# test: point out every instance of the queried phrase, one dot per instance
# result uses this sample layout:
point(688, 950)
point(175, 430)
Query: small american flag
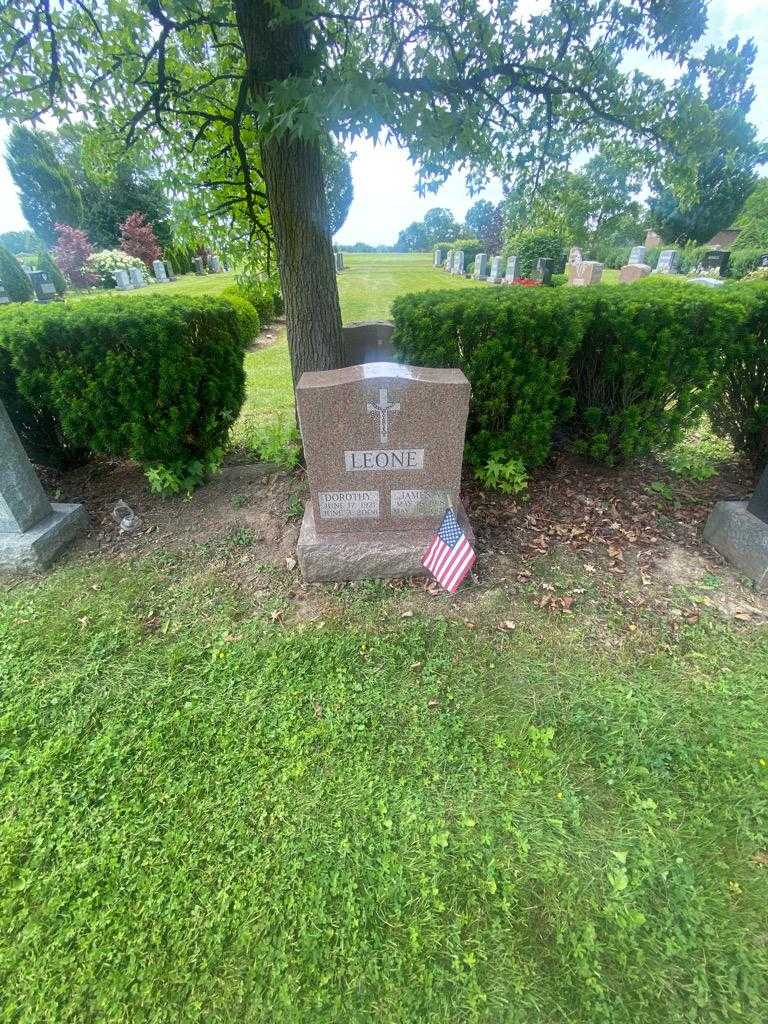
point(450, 556)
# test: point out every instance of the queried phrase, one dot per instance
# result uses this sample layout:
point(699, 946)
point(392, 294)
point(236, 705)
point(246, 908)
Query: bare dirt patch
point(585, 537)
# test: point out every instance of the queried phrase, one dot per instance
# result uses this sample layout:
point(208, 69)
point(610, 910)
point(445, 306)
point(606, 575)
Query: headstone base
point(34, 550)
point(337, 557)
point(741, 538)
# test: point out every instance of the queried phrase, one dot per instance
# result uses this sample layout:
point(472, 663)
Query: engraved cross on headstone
point(383, 409)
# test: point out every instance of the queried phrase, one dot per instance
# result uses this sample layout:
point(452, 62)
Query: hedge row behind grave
point(158, 380)
point(614, 371)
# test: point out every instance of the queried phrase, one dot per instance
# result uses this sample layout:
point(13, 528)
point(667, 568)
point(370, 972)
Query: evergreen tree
point(14, 280)
point(46, 191)
point(716, 174)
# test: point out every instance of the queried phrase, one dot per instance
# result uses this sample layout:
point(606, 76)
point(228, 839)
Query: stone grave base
point(336, 557)
point(35, 549)
point(741, 538)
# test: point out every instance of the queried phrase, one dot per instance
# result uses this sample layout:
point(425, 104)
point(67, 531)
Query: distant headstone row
point(452, 262)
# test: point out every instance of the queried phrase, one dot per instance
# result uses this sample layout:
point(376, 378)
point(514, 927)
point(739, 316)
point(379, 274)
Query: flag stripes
point(450, 555)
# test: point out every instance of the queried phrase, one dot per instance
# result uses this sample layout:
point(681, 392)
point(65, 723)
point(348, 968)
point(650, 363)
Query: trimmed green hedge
point(515, 347)
point(646, 360)
point(17, 285)
point(614, 371)
point(739, 406)
point(158, 380)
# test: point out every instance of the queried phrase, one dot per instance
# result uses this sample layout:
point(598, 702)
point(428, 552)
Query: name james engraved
point(384, 458)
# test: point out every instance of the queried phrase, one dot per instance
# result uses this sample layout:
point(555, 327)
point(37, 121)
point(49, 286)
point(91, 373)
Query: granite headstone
point(668, 261)
point(637, 255)
point(439, 257)
point(123, 281)
point(513, 269)
point(480, 271)
point(383, 445)
point(717, 260)
point(199, 264)
point(586, 273)
point(45, 289)
point(544, 269)
point(494, 276)
point(739, 531)
point(32, 530)
point(458, 262)
point(367, 341)
point(136, 275)
point(159, 270)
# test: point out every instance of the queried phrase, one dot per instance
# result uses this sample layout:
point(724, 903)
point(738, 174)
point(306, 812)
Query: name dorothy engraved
point(383, 459)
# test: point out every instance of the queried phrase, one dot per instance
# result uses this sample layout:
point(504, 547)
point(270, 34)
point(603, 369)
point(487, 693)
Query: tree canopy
point(262, 83)
point(720, 163)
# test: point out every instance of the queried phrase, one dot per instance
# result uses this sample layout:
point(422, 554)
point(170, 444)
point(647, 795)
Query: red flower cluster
point(527, 282)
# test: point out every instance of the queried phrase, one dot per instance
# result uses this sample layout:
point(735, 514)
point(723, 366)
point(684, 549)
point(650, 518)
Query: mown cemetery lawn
point(231, 796)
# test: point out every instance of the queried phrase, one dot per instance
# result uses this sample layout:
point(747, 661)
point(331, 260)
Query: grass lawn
point(216, 808)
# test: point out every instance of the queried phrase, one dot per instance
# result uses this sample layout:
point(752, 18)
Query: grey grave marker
point(32, 530)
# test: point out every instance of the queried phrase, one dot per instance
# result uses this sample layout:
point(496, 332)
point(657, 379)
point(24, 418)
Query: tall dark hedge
point(739, 407)
point(156, 379)
point(515, 346)
point(615, 371)
point(14, 280)
point(646, 363)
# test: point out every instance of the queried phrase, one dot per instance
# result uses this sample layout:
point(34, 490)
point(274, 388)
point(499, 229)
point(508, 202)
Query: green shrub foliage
point(470, 247)
point(739, 408)
point(249, 322)
point(643, 370)
point(744, 261)
point(530, 245)
point(515, 347)
point(157, 379)
point(17, 285)
point(613, 371)
point(262, 294)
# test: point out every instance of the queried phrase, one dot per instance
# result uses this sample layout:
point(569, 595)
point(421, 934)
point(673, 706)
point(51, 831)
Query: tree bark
point(293, 174)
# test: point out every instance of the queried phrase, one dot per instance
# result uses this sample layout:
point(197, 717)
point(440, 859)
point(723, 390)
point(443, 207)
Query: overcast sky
point(384, 181)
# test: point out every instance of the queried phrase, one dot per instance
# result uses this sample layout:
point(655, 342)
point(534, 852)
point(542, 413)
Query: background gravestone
point(448, 265)
point(159, 270)
point(739, 531)
point(513, 269)
point(458, 262)
point(481, 267)
point(136, 275)
point(384, 445)
point(439, 257)
point(668, 261)
point(32, 531)
point(717, 259)
point(762, 260)
point(367, 341)
point(544, 269)
point(45, 289)
point(3, 296)
point(199, 264)
point(586, 273)
point(494, 277)
point(122, 281)
point(637, 255)
point(633, 272)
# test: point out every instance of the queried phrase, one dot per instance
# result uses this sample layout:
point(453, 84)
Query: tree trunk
point(296, 194)
point(277, 49)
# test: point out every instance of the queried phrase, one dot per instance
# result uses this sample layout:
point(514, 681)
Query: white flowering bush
point(105, 263)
